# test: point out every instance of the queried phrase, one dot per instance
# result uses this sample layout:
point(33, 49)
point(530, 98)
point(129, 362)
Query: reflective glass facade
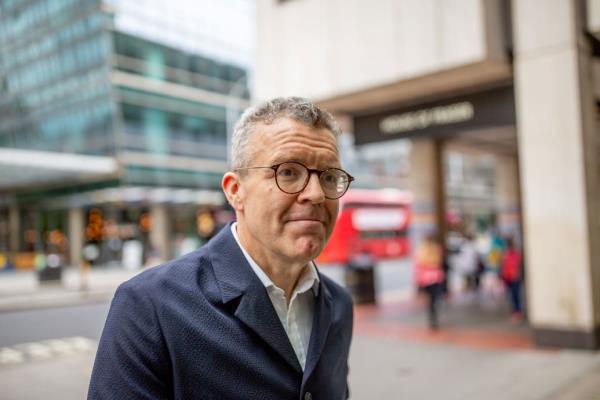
point(54, 87)
point(118, 79)
point(71, 81)
point(161, 124)
point(158, 61)
point(220, 30)
point(171, 121)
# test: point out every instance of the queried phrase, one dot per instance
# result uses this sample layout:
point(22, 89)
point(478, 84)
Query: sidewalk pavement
point(477, 354)
point(21, 290)
point(397, 368)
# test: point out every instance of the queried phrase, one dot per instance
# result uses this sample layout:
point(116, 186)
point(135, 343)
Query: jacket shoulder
point(337, 291)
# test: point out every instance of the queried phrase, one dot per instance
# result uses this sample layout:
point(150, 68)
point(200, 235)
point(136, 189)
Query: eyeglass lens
point(293, 177)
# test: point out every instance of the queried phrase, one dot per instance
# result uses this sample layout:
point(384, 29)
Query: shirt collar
point(309, 279)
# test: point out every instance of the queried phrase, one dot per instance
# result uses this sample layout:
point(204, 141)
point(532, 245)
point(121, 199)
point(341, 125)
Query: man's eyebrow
point(323, 166)
point(283, 158)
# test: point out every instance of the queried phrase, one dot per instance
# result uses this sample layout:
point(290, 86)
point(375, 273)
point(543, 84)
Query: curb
point(37, 301)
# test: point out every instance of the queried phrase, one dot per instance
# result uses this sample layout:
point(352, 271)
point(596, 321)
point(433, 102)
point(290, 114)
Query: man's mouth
point(308, 221)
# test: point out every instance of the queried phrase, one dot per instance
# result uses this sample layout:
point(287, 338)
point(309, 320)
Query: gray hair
point(296, 108)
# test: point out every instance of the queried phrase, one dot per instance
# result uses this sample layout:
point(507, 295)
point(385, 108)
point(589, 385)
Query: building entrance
point(463, 177)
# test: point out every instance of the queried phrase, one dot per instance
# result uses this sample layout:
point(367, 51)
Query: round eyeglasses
point(292, 177)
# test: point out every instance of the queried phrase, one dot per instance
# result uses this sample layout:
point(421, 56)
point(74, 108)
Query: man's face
point(278, 225)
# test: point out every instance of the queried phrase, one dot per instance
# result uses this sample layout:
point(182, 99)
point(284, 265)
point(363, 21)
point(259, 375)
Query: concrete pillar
point(76, 235)
point(426, 186)
point(558, 150)
point(160, 231)
point(507, 197)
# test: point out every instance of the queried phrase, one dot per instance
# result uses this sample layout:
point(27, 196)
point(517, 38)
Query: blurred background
point(471, 121)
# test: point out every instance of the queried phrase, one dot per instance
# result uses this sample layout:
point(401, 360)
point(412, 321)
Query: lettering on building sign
point(421, 119)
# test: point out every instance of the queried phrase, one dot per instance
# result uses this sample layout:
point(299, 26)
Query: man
point(248, 316)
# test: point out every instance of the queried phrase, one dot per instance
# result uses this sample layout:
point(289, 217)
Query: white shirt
point(297, 319)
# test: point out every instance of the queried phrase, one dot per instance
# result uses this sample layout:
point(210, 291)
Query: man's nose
point(313, 191)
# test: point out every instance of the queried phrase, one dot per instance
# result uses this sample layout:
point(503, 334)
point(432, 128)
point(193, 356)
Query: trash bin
point(360, 279)
point(51, 270)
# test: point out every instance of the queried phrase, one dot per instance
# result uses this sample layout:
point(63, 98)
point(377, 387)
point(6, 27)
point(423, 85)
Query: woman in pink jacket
point(429, 275)
point(511, 275)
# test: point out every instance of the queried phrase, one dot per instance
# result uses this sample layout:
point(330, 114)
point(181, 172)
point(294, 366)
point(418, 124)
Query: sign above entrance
point(439, 118)
point(421, 119)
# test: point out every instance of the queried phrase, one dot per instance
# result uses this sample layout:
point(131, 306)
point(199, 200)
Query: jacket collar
point(309, 275)
point(236, 279)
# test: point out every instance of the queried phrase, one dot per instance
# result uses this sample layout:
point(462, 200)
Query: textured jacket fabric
point(203, 327)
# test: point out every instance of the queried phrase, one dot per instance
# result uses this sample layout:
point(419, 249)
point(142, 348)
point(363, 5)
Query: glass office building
point(113, 122)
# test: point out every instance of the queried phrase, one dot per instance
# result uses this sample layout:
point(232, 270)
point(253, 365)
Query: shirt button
point(307, 396)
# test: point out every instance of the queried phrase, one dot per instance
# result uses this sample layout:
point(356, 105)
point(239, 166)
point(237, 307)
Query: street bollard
point(49, 269)
point(360, 278)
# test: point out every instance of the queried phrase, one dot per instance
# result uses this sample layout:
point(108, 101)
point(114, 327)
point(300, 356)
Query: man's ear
point(231, 186)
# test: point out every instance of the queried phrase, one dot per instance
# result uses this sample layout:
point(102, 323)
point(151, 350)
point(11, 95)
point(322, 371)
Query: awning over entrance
point(440, 118)
point(23, 168)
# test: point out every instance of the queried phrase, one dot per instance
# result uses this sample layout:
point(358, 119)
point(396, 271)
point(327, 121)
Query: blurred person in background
point(491, 282)
point(511, 275)
point(248, 315)
point(495, 252)
point(467, 261)
point(429, 275)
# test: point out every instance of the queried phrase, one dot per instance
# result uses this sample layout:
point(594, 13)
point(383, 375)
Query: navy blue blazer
point(203, 327)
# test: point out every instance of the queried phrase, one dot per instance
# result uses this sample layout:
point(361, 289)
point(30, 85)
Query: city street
point(52, 323)
point(478, 354)
point(87, 319)
point(456, 140)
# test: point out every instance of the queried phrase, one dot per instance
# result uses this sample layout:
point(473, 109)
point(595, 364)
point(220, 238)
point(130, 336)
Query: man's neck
point(284, 273)
point(284, 278)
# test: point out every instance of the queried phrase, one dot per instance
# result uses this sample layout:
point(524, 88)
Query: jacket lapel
point(257, 312)
point(237, 280)
point(320, 329)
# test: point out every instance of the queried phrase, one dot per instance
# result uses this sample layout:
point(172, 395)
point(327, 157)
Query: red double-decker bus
point(372, 221)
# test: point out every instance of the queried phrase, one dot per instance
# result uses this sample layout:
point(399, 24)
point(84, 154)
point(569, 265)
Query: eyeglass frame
point(319, 172)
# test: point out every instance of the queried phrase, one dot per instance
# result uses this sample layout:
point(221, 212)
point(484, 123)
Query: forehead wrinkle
point(287, 134)
point(297, 142)
point(307, 149)
point(295, 128)
point(305, 152)
point(293, 139)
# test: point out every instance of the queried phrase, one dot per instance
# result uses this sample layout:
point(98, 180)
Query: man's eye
point(287, 172)
point(329, 178)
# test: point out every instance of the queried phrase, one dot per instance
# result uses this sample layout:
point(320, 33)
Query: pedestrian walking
point(511, 275)
point(491, 283)
point(429, 275)
point(467, 262)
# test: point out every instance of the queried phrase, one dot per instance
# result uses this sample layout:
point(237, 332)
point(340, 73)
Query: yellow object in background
point(39, 261)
